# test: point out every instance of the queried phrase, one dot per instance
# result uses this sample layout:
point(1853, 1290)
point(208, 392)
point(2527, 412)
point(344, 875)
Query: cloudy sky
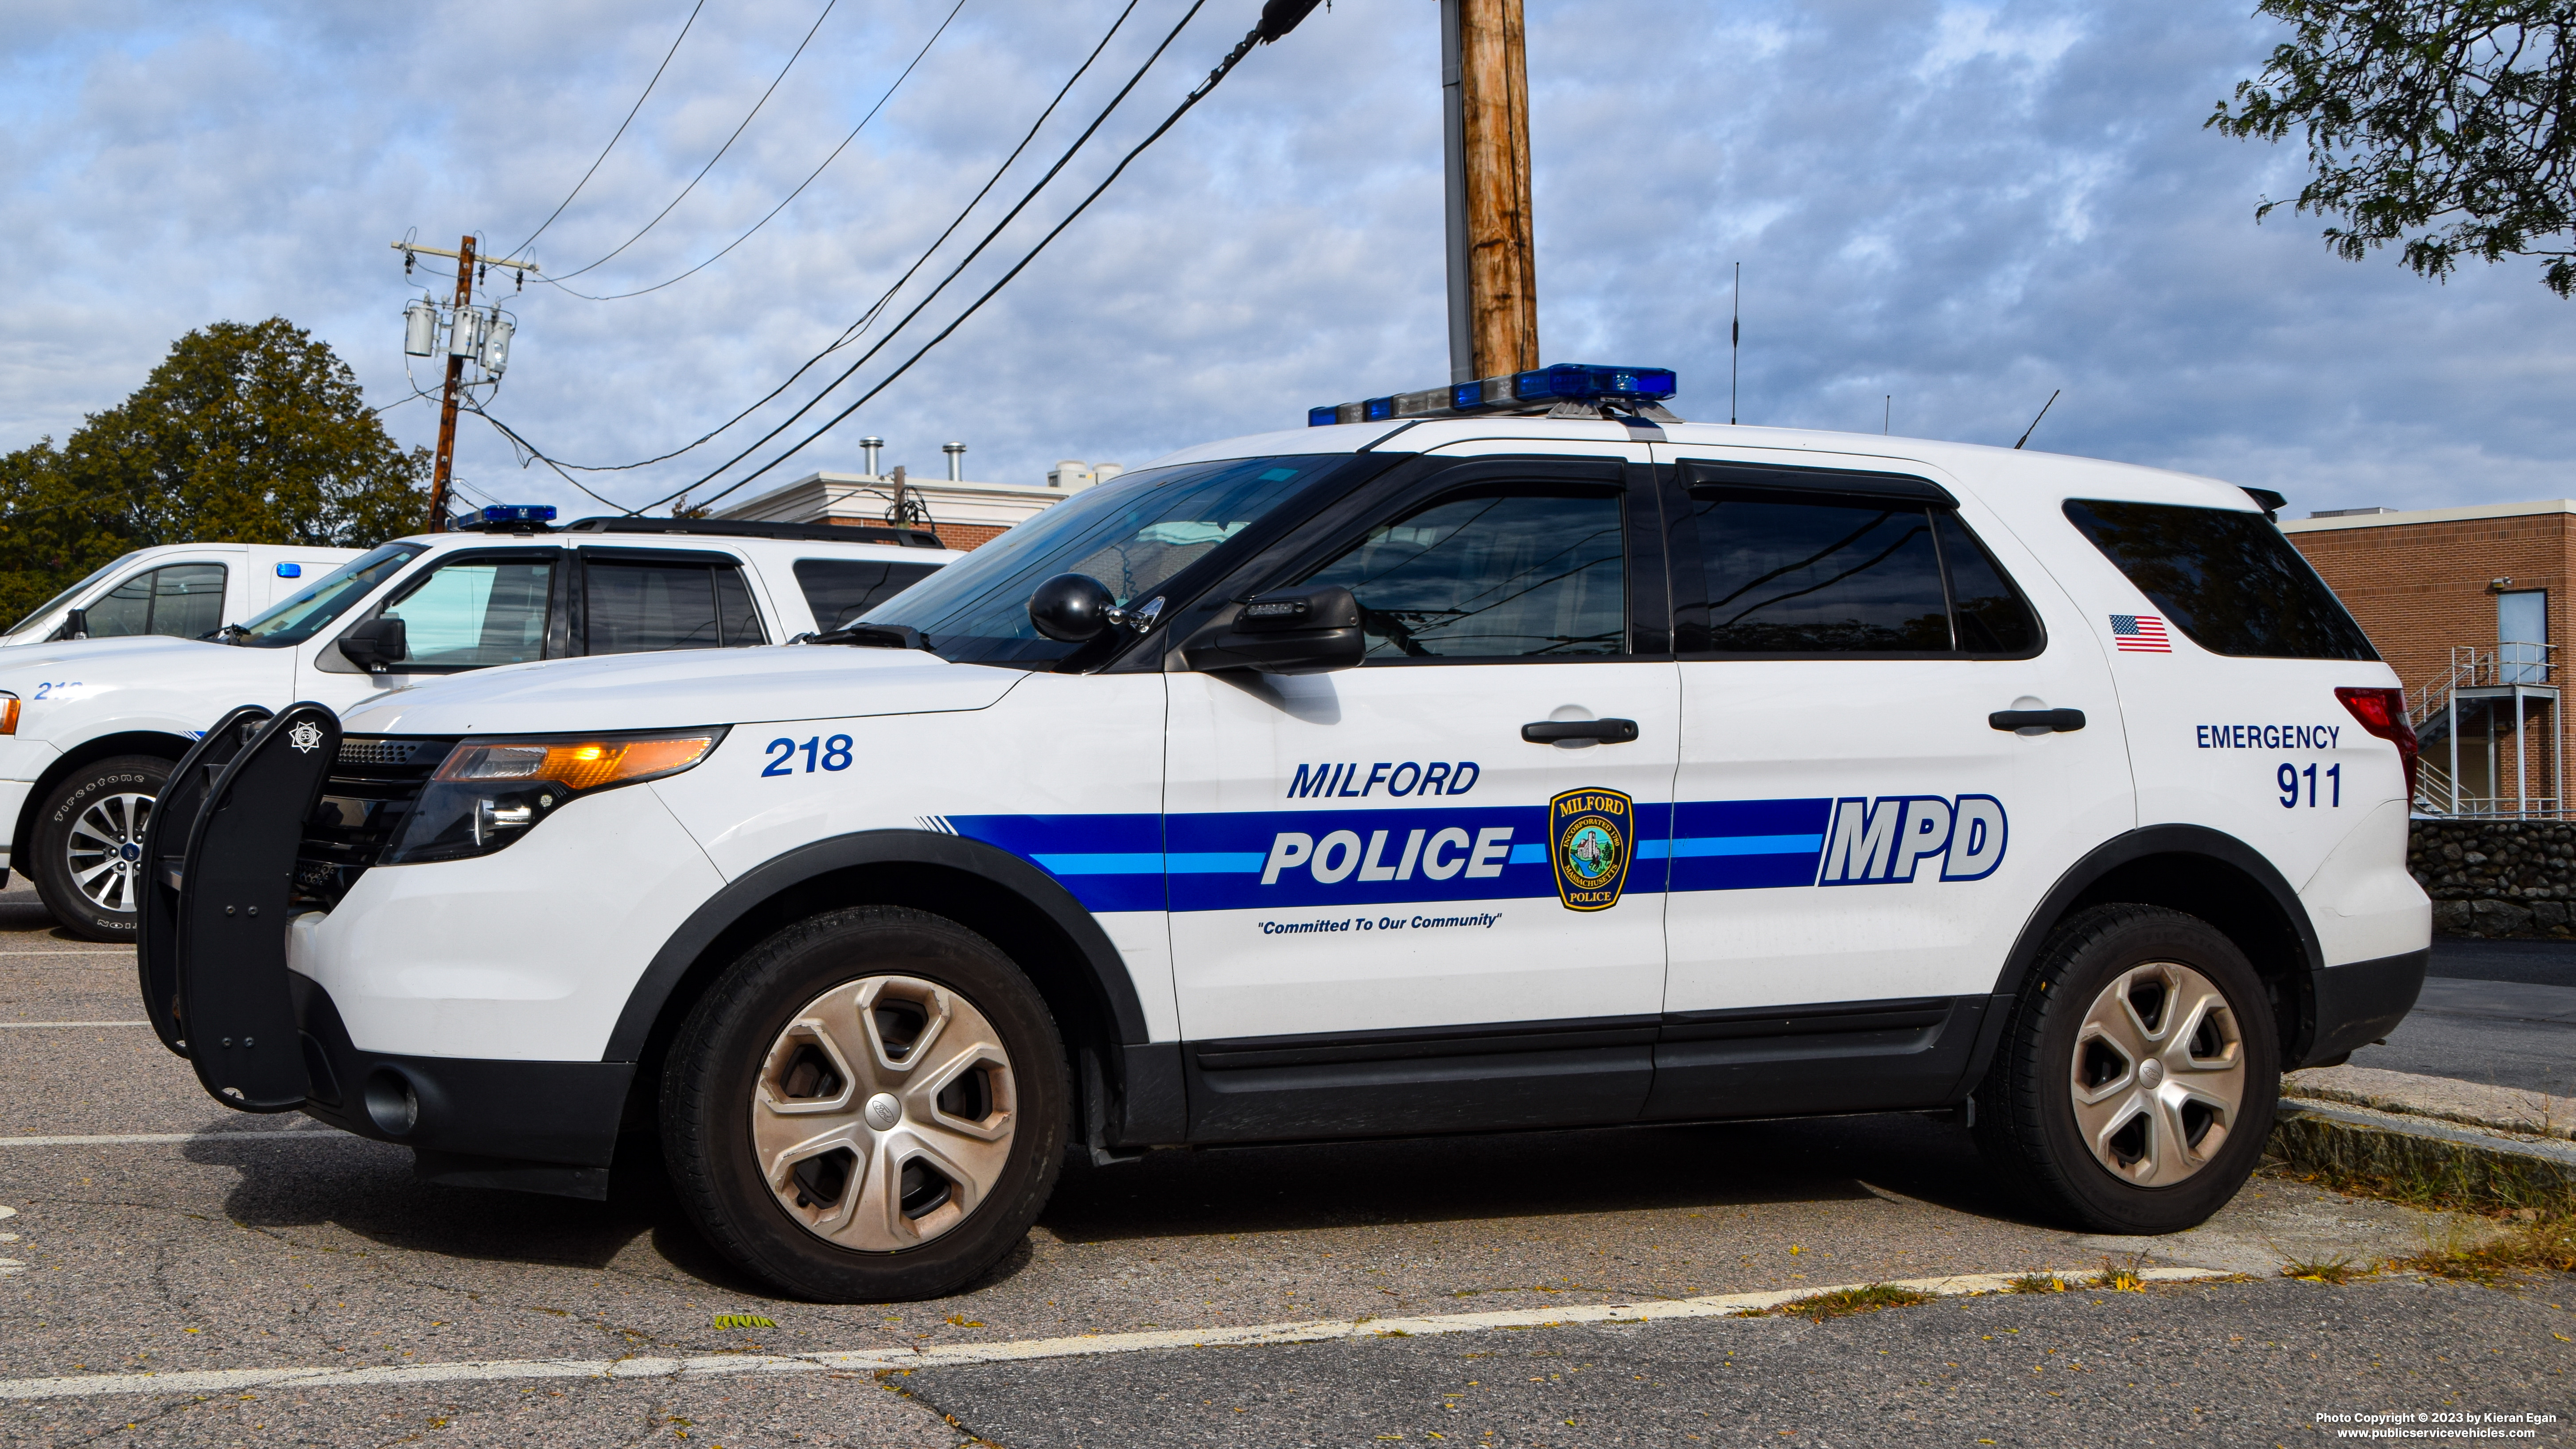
point(1961, 205)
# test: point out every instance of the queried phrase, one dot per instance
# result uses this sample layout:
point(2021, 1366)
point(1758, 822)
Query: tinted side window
point(182, 601)
point(841, 589)
point(1821, 576)
point(1518, 572)
point(636, 606)
point(2226, 578)
point(1992, 616)
point(476, 613)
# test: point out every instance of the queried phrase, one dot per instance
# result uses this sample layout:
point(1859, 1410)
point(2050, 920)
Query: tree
point(2438, 123)
point(248, 433)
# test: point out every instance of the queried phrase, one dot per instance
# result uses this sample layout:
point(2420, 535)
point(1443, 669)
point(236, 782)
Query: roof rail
point(744, 528)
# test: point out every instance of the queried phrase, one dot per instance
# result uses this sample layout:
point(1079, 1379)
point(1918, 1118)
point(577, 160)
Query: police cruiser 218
point(90, 726)
point(1511, 755)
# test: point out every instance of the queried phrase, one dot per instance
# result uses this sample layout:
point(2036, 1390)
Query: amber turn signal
point(578, 765)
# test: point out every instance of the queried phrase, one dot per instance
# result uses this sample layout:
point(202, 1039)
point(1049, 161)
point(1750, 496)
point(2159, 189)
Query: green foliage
point(247, 433)
point(2440, 124)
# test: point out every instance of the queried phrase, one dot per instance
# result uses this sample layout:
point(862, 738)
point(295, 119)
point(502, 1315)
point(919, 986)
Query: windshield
point(67, 595)
point(308, 613)
point(1133, 535)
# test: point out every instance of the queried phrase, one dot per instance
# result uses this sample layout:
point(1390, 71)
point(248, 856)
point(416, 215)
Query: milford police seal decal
point(1588, 838)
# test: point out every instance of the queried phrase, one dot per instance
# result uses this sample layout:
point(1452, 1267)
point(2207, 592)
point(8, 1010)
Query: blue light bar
point(519, 513)
point(290, 571)
point(1577, 389)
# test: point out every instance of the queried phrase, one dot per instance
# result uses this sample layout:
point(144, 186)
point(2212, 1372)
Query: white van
point(177, 590)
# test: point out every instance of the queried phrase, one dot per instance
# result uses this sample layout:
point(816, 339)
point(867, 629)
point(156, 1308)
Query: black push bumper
point(212, 960)
point(2358, 1004)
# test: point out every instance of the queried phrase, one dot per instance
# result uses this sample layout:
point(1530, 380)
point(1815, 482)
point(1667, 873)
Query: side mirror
point(1071, 608)
point(1310, 631)
point(376, 643)
point(76, 624)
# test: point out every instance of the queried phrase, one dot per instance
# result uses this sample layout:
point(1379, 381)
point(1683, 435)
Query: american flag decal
point(2139, 634)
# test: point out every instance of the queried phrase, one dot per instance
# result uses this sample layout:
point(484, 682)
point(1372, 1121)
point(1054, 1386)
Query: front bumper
point(546, 1127)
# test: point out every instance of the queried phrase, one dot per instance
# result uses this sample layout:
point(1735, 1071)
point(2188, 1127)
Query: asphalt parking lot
point(249, 1264)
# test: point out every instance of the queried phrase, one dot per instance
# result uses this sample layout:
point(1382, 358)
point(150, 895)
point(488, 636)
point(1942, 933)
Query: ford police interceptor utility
point(89, 731)
point(1437, 768)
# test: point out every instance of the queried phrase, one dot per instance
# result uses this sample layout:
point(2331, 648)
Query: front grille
point(373, 786)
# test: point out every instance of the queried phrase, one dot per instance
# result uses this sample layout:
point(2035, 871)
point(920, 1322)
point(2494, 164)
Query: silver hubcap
point(2159, 1074)
point(884, 1113)
point(105, 850)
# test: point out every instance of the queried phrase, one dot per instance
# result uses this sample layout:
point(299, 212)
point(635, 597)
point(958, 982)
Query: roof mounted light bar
point(1567, 390)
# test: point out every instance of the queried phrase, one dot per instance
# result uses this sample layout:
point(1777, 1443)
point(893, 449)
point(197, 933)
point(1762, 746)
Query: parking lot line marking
point(200, 1381)
point(25, 1024)
point(121, 1139)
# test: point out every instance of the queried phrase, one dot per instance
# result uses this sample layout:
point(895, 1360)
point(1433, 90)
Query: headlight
point(488, 793)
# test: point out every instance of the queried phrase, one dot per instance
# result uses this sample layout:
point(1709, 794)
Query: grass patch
point(2537, 1242)
point(1843, 1302)
point(2416, 1172)
point(2036, 1283)
point(2119, 1280)
point(2329, 1270)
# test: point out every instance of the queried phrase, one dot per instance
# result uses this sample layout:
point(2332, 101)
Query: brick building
point(2467, 604)
point(965, 514)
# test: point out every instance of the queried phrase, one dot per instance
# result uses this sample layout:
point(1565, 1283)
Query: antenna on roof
point(1735, 342)
point(2043, 412)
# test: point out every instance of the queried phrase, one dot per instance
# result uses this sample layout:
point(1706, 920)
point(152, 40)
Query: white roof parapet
point(864, 498)
point(2432, 515)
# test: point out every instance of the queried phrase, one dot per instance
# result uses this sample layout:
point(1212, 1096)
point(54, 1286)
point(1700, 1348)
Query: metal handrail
point(2474, 667)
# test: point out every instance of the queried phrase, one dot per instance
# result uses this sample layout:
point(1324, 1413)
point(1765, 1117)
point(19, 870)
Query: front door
point(1392, 909)
point(470, 610)
point(1857, 843)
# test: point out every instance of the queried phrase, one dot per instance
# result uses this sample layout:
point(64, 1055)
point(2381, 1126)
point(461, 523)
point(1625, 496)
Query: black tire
point(105, 786)
point(2027, 1107)
point(726, 1063)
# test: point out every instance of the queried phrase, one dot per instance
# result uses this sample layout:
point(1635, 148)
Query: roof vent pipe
point(871, 447)
point(956, 461)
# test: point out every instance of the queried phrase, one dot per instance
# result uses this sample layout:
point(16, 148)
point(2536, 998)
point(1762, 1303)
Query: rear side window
point(842, 589)
point(1827, 575)
point(2226, 578)
point(637, 605)
point(183, 601)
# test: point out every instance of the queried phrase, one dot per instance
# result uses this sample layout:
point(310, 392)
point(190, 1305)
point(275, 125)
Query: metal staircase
point(2500, 693)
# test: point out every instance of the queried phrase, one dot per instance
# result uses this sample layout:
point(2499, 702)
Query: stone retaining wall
point(2497, 877)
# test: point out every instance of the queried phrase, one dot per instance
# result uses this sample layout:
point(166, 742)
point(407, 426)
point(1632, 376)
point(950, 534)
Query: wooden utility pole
point(1493, 272)
point(455, 380)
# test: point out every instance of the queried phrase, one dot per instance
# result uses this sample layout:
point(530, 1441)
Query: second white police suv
point(1512, 755)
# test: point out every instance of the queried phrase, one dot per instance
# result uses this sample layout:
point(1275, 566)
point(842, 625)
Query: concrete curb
point(2480, 1164)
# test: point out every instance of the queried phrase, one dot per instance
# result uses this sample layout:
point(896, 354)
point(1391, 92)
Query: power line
point(1278, 17)
point(621, 131)
point(852, 332)
point(801, 185)
point(988, 238)
point(720, 150)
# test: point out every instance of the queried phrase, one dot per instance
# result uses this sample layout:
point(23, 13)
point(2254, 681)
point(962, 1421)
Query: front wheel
point(869, 1105)
point(2136, 1079)
point(88, 863)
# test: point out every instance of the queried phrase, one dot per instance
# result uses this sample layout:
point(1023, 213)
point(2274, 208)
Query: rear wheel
point(2136, 1079)
point(88, 862)
point(870, 1105)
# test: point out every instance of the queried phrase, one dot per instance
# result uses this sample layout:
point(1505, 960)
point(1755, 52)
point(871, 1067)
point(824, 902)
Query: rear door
point(635, 600)
point(1856, 845)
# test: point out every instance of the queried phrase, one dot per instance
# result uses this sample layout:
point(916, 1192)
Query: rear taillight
point(2383, 713)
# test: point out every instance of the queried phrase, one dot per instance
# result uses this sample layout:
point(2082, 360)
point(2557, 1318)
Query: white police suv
point(89, 730)
point(1511, 755)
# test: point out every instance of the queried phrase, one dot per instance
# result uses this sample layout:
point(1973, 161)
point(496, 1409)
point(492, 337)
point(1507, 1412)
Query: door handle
point(1607, 731)
point(2059, 720)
